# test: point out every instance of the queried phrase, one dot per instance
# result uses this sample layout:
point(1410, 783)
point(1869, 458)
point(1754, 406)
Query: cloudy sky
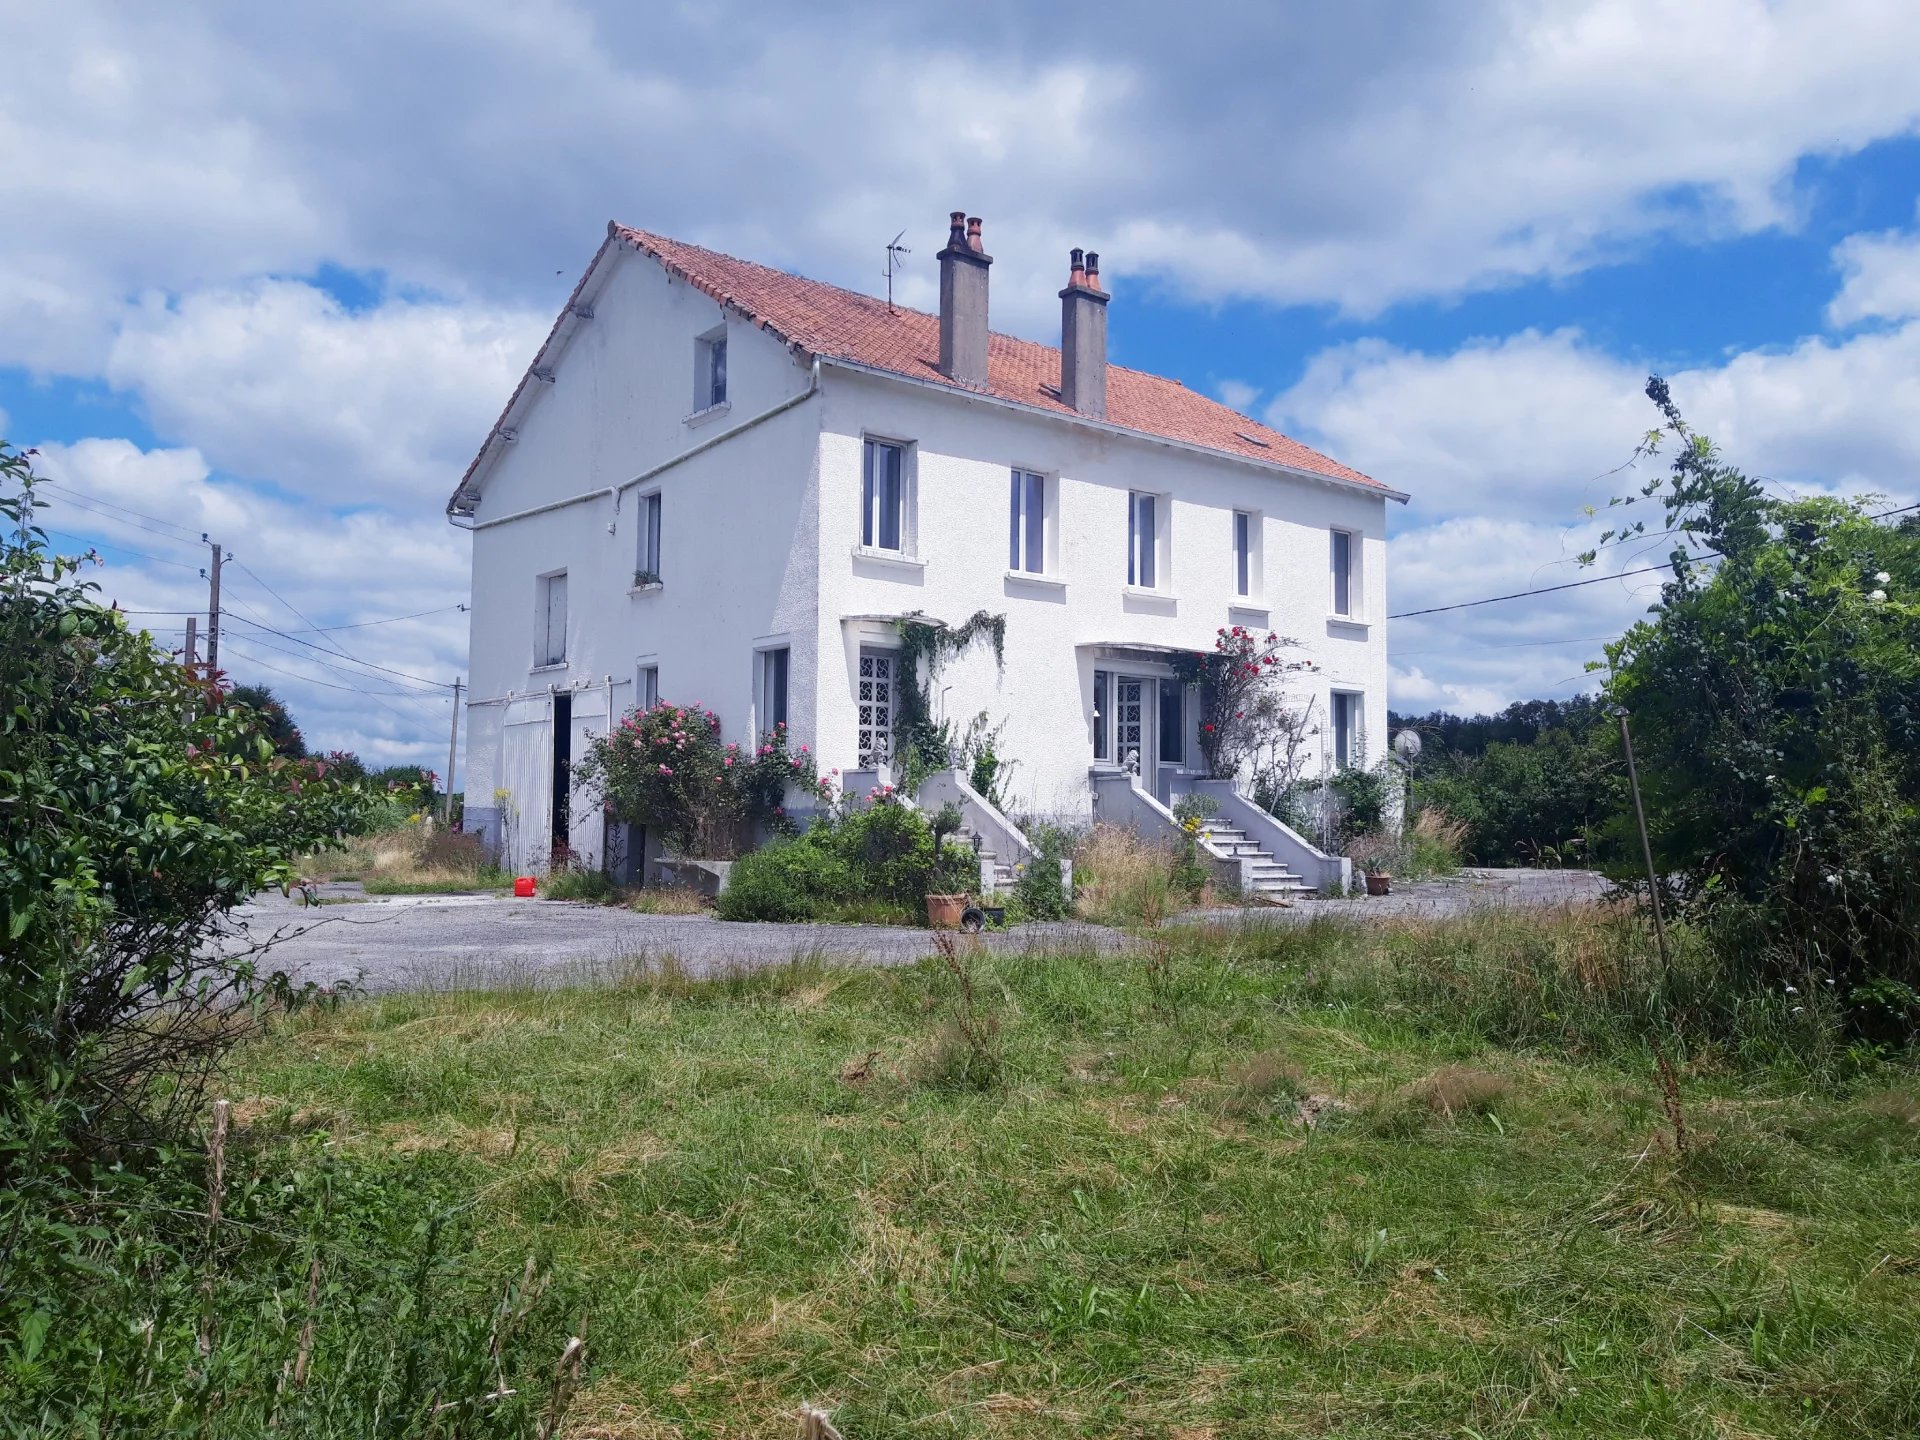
point(268, 272)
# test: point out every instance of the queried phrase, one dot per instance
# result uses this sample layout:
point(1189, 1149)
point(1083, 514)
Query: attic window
point(1252, 439)
point(710, 370)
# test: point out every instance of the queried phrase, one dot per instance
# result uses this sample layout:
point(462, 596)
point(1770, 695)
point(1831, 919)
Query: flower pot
point(1379, 884)
point(944, 911)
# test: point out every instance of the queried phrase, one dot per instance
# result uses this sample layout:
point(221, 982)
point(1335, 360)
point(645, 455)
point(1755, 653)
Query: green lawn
point(1085, 1202)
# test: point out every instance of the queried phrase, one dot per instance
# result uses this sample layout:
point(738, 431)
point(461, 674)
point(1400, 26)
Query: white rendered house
point(725, 484)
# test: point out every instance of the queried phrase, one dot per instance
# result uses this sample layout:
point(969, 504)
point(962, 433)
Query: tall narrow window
point(773, 688)
point(1101, 680)
point(1346, 729)
point(882, 497)
point(1142, 541)
point(1173, 722)
point(1242, 553)
point(710, 370)
point(1342, 572)
point(1027, 527)
point(552, 646)
point(647, 563)
point(648, 689)
point(875, 691)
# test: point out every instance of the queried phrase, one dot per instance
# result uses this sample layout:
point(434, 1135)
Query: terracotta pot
point(1379, 884)
point(944, 911)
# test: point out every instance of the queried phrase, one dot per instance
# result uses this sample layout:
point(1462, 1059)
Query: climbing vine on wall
point(926, 646)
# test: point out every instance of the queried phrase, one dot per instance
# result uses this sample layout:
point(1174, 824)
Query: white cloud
point(1318, 154)
point(277, 381)
point(1238, 395)
point(1881, 278)
point(1505, 445)
point(366, 566)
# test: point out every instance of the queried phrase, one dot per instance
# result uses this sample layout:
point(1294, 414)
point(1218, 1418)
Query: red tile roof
point(824, 320)
point(841, 324)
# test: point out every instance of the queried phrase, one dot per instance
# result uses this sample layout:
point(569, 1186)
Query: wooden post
point(213, 610)
point(1646, 845)
point(453, 750)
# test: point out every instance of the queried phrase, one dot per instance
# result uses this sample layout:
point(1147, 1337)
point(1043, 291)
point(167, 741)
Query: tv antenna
point(894, 251)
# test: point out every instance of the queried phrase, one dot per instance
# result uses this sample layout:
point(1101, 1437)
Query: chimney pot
point(963, 303)
point(1083, 338)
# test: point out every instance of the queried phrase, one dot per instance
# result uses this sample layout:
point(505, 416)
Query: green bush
point(788, 879)
point(593, 886)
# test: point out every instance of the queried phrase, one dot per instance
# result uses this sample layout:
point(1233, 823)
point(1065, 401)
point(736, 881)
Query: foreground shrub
point(135, 809)
point(1774, 701)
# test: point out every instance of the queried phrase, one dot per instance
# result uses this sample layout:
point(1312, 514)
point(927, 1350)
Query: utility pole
point(453, 749)
point(213, 608)
point(1646, 846)
point(192, 655)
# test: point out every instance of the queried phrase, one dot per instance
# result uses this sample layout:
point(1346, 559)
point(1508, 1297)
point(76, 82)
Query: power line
point(1594, 580)
point(333, 666)
point(309, 679)
point(69, 492)
point(121, 549)
point(383, 669)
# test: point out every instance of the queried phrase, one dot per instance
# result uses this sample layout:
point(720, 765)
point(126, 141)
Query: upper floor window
point(1143, 540)
point(883, 496)
point(647, 560)
point(710, 370)
point(773, 688)
point(1242, 553)
point(550, 646)
point(1027, 523)
point(1342, 572)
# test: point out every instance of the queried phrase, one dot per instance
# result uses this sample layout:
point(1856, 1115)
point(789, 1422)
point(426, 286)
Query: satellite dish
point(1407, 745)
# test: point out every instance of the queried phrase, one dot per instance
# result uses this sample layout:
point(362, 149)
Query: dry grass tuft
point(1121, 878)
point(1261, 1084)
point(1462, 1090)
point(1901, 1106)
point(669, 900)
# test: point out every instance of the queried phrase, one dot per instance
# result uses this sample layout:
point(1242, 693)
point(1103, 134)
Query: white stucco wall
point(733, 576)
point(963, 452)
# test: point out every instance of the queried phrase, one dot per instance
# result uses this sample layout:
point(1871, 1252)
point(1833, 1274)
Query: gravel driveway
point(445, 941)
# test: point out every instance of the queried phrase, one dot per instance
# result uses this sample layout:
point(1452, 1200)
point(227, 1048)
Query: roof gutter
point(614, 491)
point(1108, 428)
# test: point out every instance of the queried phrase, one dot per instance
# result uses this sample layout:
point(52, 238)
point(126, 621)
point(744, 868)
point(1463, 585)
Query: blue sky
point(270, 273)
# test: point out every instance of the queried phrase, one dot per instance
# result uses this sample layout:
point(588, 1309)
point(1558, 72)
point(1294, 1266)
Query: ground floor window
point(875, 699)
point(647, 691)
point(1101, 680)
point(1346, 729)
point(1129, 721)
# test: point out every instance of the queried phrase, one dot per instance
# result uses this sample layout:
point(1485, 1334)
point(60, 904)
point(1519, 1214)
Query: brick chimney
point(1083, 337)
point(963, 303)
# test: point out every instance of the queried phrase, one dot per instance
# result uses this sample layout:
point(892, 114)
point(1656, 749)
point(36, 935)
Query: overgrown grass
point(406, 860)
point(1060, 1193)
point(1122, 878)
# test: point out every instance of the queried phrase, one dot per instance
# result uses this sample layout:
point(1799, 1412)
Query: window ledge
point(543, 669)
point(1141, 592)
point(649, 588)
point(889, 557)
point(712, 412)
point(1353, 622)
point(1035, 577)
point(1247, 607)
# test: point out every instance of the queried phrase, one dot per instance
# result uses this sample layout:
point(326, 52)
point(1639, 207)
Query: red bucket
point(523, 887)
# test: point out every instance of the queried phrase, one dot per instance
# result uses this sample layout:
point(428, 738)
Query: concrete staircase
point(1263, 877)
point(1002, 871)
